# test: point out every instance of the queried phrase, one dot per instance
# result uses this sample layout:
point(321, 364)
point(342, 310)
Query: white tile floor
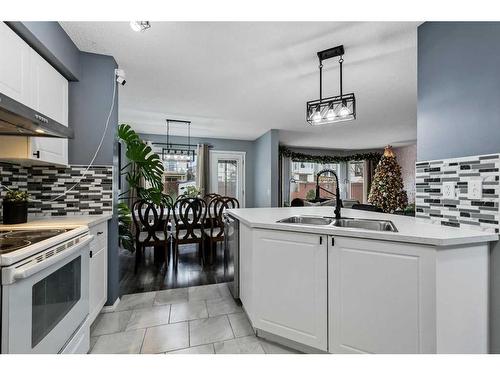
point(195, 320)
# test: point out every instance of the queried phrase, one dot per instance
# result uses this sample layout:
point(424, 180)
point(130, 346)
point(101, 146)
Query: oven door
point(45, 299)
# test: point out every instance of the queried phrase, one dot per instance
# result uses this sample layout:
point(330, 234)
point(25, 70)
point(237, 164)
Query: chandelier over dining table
point(178, 151)
point(335, 108)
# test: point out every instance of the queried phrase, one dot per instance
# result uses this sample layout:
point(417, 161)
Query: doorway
point(227, 174)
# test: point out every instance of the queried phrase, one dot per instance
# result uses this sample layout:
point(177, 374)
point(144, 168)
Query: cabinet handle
point(333, 241)
point(91, 253)
point(37, 154)
point(99, 233)
point(321, 240)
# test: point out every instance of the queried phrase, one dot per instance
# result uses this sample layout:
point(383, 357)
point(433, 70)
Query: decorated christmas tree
point(387, 186)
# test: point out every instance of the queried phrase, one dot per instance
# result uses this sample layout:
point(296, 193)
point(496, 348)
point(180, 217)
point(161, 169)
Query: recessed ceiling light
point(139, 25)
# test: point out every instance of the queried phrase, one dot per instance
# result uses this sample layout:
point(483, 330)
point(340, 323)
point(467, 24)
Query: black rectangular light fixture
point(177, 151)
point(169, 153)
point(335, 108)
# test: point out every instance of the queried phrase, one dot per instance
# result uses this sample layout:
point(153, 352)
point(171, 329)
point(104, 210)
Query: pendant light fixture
point(335, 108)
point(177, 151)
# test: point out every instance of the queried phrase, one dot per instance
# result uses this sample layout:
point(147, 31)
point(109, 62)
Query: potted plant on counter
point(15, 207)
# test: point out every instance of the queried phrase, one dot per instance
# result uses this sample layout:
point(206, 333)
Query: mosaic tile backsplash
point(479, 214)
point(92, 196)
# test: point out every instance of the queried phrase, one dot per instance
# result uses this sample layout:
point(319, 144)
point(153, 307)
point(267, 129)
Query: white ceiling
point(239, 79)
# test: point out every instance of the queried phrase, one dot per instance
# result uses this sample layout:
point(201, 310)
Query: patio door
point(227, 174)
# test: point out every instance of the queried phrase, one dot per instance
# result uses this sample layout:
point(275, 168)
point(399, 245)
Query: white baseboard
point(108, 309)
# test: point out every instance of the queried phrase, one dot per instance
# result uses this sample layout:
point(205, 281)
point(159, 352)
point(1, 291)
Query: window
point(227, 172)
point(303, 180)
point(356, 181)
point(178, 175)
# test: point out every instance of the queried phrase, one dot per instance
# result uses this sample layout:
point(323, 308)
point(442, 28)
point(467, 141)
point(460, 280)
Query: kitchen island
point(422, 289)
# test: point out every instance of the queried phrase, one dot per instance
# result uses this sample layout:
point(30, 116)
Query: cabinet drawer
point(100, 233)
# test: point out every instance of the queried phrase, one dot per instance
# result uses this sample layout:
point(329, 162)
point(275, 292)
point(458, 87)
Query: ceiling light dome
point(316, 117)
point(330, 114)
point(344, 111)
point(139, 25)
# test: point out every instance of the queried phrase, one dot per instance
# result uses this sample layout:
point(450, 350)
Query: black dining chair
point(211, 201)
point(150, 228)
point(214, 232)
point(189, 218)
point(210, 196)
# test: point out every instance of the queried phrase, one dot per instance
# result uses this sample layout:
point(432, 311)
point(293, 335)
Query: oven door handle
point(28, 269)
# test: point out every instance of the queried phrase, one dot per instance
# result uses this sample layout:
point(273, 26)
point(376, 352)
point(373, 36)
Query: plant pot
point(15, 212)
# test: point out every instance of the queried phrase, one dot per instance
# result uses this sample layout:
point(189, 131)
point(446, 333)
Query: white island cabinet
point(423, 289)
point(390, 297)
point(291, 286)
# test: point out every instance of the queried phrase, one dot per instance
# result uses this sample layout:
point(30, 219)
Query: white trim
point(108, 309)
point(241, 154)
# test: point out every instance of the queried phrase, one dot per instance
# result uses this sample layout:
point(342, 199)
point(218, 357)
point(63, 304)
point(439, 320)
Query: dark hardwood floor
point(151, 277)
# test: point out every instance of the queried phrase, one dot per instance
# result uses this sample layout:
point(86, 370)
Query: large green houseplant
point(143, 165)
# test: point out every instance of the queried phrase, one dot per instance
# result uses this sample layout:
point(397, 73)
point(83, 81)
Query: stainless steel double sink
point(369, 224)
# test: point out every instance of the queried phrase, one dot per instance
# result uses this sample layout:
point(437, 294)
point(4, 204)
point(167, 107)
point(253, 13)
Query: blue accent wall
point(266, 169)
point(89, 106)
point(458, 89)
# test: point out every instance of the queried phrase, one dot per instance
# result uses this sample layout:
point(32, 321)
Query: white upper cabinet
point(49, 150)
point(50, 90)
point(15, 67)
point(27, 77)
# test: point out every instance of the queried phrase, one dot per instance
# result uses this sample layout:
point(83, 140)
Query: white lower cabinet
point(98, 275)
point(381, 297)
point(354, 295)
point(290, 292)
point(391, 297)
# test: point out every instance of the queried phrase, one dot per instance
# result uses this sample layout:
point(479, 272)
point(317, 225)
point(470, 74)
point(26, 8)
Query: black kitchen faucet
point(338, 201)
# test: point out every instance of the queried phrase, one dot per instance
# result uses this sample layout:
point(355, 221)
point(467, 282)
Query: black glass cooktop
point(11, 240)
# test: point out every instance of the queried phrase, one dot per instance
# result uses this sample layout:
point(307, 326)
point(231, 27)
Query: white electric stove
point(44, 294)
